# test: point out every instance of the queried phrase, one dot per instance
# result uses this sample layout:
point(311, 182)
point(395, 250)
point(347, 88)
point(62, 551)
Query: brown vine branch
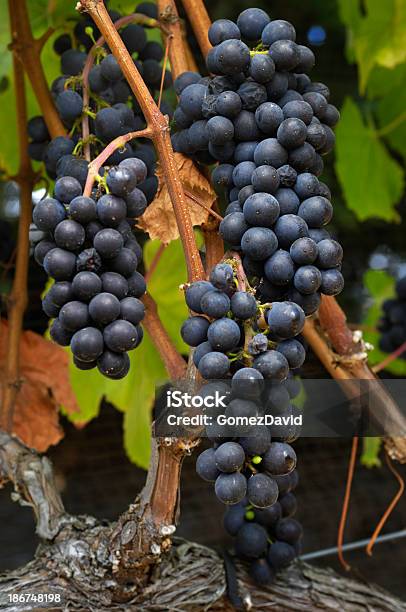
point(174, 362)
point(120, 23)
point(385, 362)
point(33, 481)
point(28, 50)
point(168, 15)
point(346, 503)
point(17, 300)
point(200, 22)
point(158, 124)
point(43, 39)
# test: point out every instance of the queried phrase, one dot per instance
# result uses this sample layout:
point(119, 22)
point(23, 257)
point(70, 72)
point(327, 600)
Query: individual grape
point(252, 95)
point(247, 383)
point(251, 541)
point(261, 572)
point(262, 491)
point(121, 181)
point(69, 105)
point(268, 517)
point(222, 277)
point(41, 249)
point(245, 127)
point(74, 315)
point(234, 518)
point(288, 201)
point(289, 228)
point(303, 251)
point(258, 344)
point(229, 457)
point(48, 213)
point(69, 235)
point(318, 234)
point(243, 305)
point(104, 308)
point(120, 336)
point(219, 130)
point(279, 268)
point(194, 330)
point(185, 79)
point(298, 109)
point(125, 263)
point(72, 62)
point(82, 209)
point(242, 174)
point(206, 466)
point(50, 309)
point(85, 285)
point(317, 101)
point(287, 176)
point(87, 344)
point(258, 442)
point(84, 365)
point(278, 29)
point(60, 293)
point(215, 304)
point(132, 310)
point(272, 365)
point(149, 187)
point(262, 68)
point(214, 365)
point(89, 260)
point(316, 136)
point(221, 30)
point(285, 54)
point(201, 350)
point(233, 227)
point(271, 152)
point(149, 9)
point(268, 117)
point(108, 242)
point(293, 351)
point(228, 104)
point(331, 116)
point(114, 283)
point(307, 279)
point(286, 319)
point(111, 210)
point(114, 365)
point(288, 530)
point(288, 504)
point(134, 38)
point(302, 157)
point(280, 555)
point(109, 124)
point(330, 141)
point(316, 211)
point(330, 254)
point(251, 23)
point(259, 243)
point(59, 264)
point(136, 285)
point(244, 194)
point(232, 57)
point(307, 59)
point(309, 303)
point(191, 100)
point(265, 179)
point(261, 209)
point(230, 488)
point(194, 294)
point(110, 68)
point(279, 459)
point(57, 148)
point(223, 334)
point(292, 132)
point(332, 282)
point(60, 334)
point(37, 129)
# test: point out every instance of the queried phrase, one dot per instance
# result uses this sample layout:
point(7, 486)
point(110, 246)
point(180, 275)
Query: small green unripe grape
point(89, 30)
point(256, 460)
point(250, 515)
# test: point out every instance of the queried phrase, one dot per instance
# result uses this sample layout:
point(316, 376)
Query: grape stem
point(178, 55)
point(160, 133)
point(28, 50)
point(200, 22)
point(17, 299)
point(115, 144)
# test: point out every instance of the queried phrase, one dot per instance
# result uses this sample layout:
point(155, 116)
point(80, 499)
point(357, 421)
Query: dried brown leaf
point(159, 219)
point(44, 387)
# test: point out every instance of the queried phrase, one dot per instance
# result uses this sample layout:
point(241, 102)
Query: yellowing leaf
point(159, 219)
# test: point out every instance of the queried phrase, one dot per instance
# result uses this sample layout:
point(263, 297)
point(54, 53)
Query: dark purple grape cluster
point(392, 325)
point(268, 125)
point(247, 351)
point(89, 249)
point(112, 110)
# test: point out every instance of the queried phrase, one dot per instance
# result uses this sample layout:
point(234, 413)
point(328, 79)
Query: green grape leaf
point(371, 180)
point(380, 286)
point(377, 34)
point(370, 452)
